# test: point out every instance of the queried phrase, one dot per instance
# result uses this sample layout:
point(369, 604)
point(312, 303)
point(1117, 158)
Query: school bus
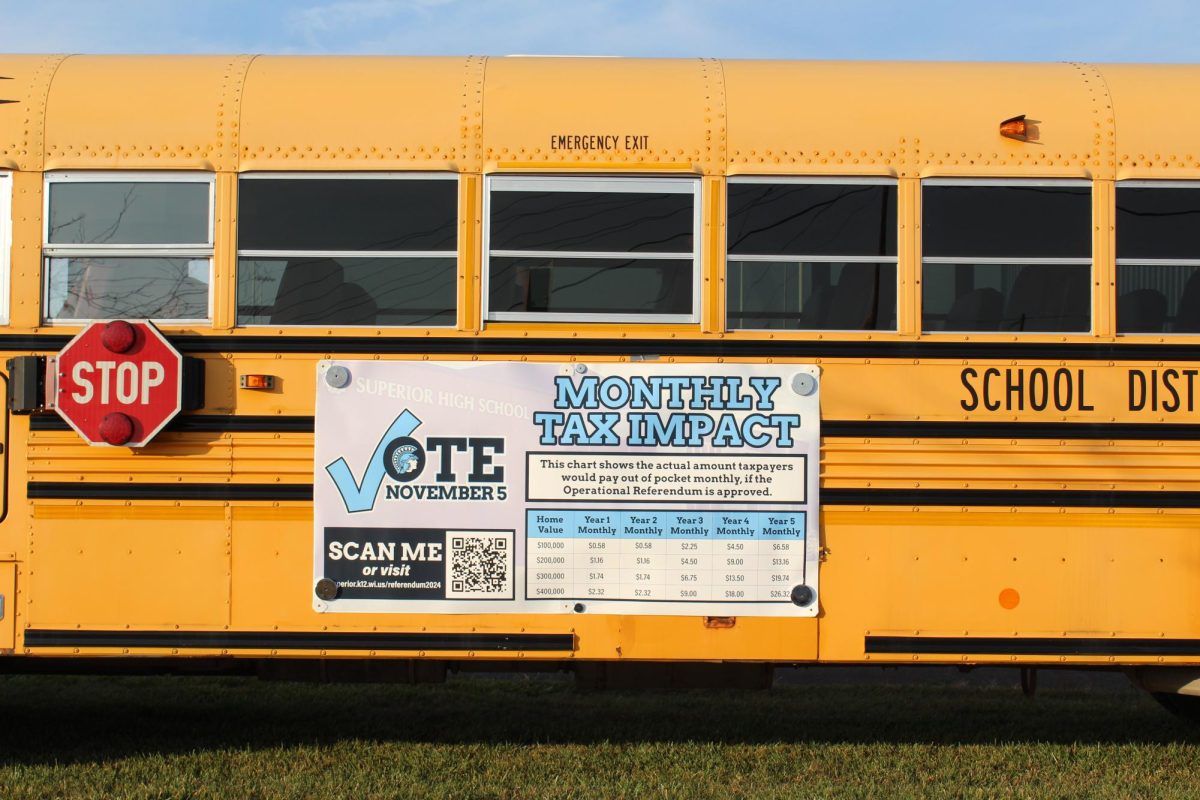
point(599, 364)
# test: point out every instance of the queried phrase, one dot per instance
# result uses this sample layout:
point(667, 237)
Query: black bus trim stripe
point(1003, 646)
point(276, 640)
point(69, 490)
point(1036, 498)
point(679, 347)
point(202, 423)
point(303, 492)
point(725, 347)
point(864, 429)
point(906, 429)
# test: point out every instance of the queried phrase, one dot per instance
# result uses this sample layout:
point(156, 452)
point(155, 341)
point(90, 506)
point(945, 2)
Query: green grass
point(159, 737)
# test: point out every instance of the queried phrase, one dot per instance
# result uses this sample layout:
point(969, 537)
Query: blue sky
point(1044, 30)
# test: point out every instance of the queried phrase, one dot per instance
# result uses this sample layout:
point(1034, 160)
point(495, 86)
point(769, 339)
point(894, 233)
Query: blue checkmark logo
point(361, 496)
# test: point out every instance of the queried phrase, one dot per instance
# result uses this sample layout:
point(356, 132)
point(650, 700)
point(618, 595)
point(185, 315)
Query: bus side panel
point(272, 575)
point(657, 638)
point(272, 586)
point(14, 528)
point(8, 607)
point(110, 565)
point(1094, 574)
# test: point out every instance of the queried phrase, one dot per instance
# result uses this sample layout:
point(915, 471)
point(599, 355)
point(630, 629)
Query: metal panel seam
point(717, 110)
point(1105, 153)
point(36, 148)
point(1111, 120)
point(472, 131)
point(230, 108)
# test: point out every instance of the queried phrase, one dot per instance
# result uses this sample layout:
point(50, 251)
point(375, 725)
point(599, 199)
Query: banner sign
point(620, 488)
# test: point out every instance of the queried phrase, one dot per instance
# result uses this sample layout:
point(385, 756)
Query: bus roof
point(475, 114)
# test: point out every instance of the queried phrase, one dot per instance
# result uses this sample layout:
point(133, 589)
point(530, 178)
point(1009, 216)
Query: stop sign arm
point(28, 392)
point(119, 383)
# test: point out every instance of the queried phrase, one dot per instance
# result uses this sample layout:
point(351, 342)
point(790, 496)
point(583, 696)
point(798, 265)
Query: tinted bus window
point(347, 250)
point(811, 256)
point(120, 245)
point(1158, 258)
point(592, 249)
point(611, 222)
point(127, 212)
point(346, 214)
point(1006, 257)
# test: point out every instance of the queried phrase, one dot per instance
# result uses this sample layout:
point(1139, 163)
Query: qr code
point(480, 565)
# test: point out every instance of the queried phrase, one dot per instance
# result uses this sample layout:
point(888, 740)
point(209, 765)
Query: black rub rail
point(1037, 498)
point(867, 429)
point(879, 429)
point(68, 490)
point(748, 348)
point(303, 492)
point(202, 423)
point(287, 640)
point(1006, 645)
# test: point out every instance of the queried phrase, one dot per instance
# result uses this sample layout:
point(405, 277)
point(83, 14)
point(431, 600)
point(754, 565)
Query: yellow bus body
point(1000, 581)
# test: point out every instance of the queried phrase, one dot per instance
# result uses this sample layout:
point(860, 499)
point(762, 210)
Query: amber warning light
point(262, 382)
point(1015, 128)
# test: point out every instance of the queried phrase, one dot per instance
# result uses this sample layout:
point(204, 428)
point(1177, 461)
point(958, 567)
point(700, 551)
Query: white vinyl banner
point(613, 488)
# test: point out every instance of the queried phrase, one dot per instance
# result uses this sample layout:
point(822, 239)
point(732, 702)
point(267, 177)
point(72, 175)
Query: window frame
point(190, 250)
point(341, 175)
point(1090, 261)
point(1159, 183)
point(850, 180)
point(623, 184)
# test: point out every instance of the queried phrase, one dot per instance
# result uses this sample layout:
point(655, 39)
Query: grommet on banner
point(803, 384)
point(803, 595)
point(326, 589)
point(338, 377)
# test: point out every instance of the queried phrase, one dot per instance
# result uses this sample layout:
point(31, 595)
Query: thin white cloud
point(1098, 30)
point(351, 14)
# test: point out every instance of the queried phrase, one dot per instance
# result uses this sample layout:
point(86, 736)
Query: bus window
point(347, 250)
point(811, 255)
point(592, 249)
point(1158, 257)
point(1006, 256)
point(121, 245)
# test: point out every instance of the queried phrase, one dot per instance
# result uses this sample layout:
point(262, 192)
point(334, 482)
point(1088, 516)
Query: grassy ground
point(241, 738)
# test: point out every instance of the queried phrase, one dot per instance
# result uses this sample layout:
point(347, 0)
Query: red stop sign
point(119, 383)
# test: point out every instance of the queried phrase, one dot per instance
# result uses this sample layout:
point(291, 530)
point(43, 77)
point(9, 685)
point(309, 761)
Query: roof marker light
point(1015, 128)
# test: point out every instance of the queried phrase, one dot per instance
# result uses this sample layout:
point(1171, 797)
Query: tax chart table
point(698, 556)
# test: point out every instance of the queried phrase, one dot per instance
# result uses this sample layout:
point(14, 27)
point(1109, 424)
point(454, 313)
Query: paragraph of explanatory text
point(667, 477)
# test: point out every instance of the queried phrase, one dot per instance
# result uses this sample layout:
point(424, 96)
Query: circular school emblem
point(404, 459)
